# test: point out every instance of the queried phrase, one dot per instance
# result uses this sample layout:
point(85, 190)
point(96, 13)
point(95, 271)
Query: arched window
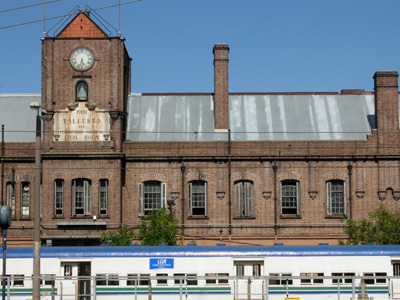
point(244, 199)
point(197, 198)
point(81, 192)
point(152, 195)
point(81, 91)
point(336, 198)
point(290, 197)
point(59, 197)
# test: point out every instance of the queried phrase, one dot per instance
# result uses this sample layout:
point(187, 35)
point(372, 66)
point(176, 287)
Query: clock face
point(82, 59)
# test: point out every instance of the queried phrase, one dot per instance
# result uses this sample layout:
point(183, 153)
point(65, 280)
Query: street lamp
point(36, 217)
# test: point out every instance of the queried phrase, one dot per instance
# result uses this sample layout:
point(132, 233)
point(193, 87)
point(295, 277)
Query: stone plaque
point(81, 122)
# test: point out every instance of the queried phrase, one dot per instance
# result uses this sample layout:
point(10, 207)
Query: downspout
point(350, 168)
point(275, 169)
point(229, 185)
point(183, 168)
point(2, 165)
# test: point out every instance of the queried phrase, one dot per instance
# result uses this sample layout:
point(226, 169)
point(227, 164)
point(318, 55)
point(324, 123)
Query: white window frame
point(329, 209)
point(59, 196)
point(25, 198)
point(191, 206)
point(10, 194)
point(103, 197)
point(142, 197)
point(285, 183)
point(244, 198)
point(86, 195)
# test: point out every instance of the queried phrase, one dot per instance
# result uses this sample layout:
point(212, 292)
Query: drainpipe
point(275, 169)
point(350, 168)
point(229, 185)
point(183, 168)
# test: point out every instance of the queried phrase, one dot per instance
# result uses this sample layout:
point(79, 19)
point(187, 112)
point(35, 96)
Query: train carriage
point(206, 272)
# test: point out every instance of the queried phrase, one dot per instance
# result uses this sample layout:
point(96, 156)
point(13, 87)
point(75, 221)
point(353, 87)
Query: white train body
point(204, 272)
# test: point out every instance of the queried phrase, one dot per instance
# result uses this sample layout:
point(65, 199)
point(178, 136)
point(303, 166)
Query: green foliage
point(158, 227)
point(383, 228)
point(124, 237)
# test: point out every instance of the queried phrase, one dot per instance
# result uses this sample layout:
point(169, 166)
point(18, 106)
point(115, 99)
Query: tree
point(124, 237)
point(383, 228)
point(158, 227)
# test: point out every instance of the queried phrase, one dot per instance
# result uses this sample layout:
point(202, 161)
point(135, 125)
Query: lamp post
point(36, 217)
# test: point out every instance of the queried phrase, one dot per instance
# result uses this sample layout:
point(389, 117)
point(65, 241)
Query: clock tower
point(85, 87)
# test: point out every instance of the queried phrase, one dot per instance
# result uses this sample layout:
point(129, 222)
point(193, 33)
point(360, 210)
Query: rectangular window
point(198, 198)
point(25, 199)
point(310, 278)
point(217, 278)
point(336, 201)
point(67, 271)
point(186, 279)
point(139, 279)
point(290, 197)
point(375, 279)
point(342, 280)
point(152, 195)
point(59, 197)
point(244, 199)
point(396, 268)
point(11, 197)
point(18, 280)
point(103, 197)
point(49, 279)
point(162, 279)
point(280, 279)
point(81, 191)
point(107, 279)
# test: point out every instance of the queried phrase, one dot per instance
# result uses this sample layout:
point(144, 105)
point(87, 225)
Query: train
point(207, 272)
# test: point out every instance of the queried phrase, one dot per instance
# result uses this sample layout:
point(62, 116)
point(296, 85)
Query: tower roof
point(82, 26)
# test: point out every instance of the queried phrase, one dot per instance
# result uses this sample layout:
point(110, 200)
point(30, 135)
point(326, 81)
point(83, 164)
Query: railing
point(206, 287)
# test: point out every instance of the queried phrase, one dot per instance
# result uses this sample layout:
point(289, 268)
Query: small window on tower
point(82, 91)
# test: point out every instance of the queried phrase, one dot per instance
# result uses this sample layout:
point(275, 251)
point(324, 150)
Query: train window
point(139, 279)
point(256, 270)
point(280, 279)
point(342, 280)
point(375, 280)
point(216, 278)
point(188, 279)
point(162, 278)
point(49, 279)
point(107, 279)
point(178, 278)
point(18, 280)
point(67, 271)
point(396, 268)
point(309, 280)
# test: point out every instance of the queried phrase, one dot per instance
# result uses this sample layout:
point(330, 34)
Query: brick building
point(251, 168)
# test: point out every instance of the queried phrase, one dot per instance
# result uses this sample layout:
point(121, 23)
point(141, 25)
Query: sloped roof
point(82, 26)
point(252, 117)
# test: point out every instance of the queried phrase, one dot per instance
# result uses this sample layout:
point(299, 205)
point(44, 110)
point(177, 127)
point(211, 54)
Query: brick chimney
point(221, 90)
point(386, 106)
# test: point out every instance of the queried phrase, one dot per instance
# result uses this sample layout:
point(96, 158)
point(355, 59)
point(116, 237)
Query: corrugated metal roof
point(252, 117)
point(18, 118)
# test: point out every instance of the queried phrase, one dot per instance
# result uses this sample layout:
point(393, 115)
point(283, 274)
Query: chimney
point(386, 106)
point(221, 90)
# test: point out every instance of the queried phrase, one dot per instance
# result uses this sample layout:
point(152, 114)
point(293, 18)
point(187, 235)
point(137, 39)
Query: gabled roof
point(82, 26)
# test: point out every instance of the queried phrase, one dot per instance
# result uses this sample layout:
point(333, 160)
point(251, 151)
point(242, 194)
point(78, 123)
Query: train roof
point(205, 251)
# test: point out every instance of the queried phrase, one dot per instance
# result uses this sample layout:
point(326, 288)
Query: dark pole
point(36, 224)
point(3, 289)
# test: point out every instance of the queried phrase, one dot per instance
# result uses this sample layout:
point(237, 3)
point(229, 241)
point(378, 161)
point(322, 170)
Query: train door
point(249, 284)
point(76, 284)
point(395, 282)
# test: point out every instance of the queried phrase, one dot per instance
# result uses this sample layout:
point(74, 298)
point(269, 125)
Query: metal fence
point(112, 287)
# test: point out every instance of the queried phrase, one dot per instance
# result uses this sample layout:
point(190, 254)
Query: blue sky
point(275, 45)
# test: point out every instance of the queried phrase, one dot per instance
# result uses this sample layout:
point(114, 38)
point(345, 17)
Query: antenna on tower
point(119, 26)
point(44, 18)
